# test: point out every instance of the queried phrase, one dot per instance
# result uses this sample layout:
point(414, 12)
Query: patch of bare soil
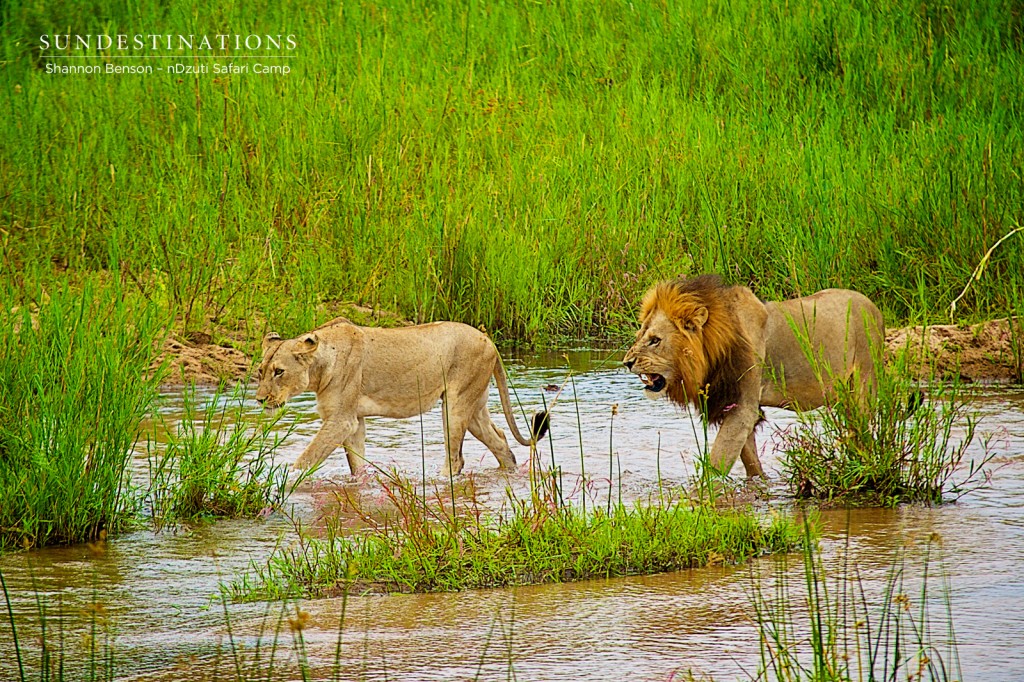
point(200, 361)
point(988, 351)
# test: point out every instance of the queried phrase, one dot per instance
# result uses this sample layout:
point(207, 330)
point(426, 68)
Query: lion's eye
point(278, 372)
point(654, 341)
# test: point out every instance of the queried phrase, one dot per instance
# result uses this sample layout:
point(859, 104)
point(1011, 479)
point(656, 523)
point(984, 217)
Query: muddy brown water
point(157, 591)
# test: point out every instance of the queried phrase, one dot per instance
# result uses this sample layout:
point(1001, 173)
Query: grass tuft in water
point(75, 385)
point(217, 462)
point(909, 445)
point(428, 548)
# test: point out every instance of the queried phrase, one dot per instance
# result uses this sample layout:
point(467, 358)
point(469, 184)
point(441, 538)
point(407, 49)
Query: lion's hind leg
point(748, 455)
point(487, 432)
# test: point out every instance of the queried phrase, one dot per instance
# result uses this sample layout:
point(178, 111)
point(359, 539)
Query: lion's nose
point(261, 399)
point(628, 363)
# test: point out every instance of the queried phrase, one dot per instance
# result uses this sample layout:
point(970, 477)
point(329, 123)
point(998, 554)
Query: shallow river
point(158, 591)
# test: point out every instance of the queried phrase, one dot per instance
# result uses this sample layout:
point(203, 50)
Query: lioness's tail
point(540, 421)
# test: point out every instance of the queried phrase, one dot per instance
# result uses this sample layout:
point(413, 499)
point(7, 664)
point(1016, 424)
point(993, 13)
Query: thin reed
point(53, 644)
point(832, 630)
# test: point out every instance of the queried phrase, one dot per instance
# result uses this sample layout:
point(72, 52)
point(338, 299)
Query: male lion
point(360, 372)
point(728, 353)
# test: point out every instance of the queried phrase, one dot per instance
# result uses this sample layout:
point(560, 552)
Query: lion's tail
point(539, 421)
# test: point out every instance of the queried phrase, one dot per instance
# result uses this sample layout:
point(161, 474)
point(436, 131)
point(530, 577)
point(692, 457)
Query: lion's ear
point(307, 344)
point(700, 316)
point(270, 340)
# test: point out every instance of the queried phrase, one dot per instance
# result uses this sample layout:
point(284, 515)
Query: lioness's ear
point(700, 316)
point(307, 344)
point(270, 340)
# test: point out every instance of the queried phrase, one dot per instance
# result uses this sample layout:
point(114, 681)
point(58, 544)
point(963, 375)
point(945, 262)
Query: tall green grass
point(529, 167)
point(77, 381)
point(75, 385)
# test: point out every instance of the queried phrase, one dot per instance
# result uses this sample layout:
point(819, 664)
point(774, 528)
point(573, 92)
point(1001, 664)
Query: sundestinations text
point(66, 42)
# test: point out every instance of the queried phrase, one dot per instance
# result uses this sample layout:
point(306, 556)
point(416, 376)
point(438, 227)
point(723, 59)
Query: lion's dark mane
point(728, 351)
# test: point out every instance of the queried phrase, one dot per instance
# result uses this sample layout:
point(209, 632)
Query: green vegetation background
point(526, 166)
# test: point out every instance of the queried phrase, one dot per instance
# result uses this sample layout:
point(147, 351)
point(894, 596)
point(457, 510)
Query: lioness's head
point(284, 370)
point(684, 331)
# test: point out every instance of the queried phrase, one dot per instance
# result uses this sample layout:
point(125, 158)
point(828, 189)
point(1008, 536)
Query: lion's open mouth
point(655, 383)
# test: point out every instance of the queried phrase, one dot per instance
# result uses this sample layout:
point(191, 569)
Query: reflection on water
point(158, 590)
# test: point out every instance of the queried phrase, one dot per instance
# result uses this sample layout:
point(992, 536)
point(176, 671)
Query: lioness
point(728, 353)
point(360, 372)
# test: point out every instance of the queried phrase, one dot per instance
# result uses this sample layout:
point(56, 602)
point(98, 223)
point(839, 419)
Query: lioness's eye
point(278, 372)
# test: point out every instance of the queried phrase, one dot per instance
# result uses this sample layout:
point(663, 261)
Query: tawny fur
point(724, 351)
point(360, 372)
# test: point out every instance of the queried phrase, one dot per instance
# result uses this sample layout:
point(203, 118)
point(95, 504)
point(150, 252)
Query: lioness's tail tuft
point(540, 422)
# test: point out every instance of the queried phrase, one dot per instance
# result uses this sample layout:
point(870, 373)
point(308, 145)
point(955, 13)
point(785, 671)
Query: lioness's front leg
point(333, 433)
